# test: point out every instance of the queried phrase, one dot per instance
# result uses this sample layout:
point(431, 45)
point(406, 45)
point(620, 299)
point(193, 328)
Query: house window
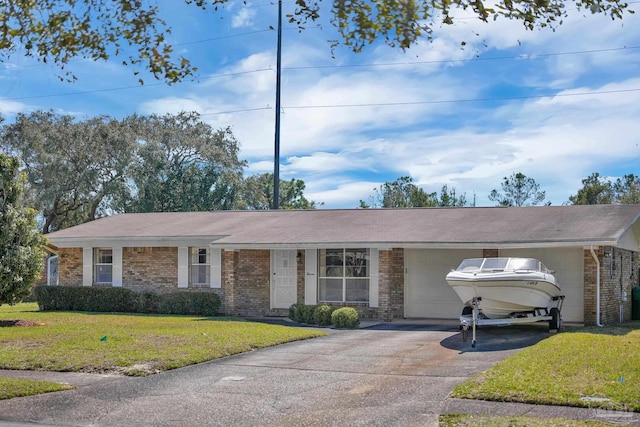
point(343, 275)
point(104, 265)
point(200, 266)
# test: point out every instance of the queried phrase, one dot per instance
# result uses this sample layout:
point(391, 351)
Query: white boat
point(504, 287)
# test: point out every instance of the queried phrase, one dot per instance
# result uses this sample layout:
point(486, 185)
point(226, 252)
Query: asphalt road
point(385, 375)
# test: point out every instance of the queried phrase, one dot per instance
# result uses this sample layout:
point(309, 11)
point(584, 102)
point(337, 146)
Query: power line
point(130, 87)
point(499, 58)
point(444, 101)
point(444, 61)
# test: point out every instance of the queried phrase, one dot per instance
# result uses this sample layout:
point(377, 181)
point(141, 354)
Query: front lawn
point(128, 344)
point(14, 387)
point(590, 367)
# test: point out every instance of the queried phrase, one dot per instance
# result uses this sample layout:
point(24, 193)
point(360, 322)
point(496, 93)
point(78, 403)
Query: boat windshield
point(524, 264)
point(474, 265)
point(470, 264)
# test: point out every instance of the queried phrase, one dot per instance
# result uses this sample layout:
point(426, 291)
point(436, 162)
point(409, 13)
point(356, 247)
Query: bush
point(345, 317)
point(307, 313)
point(123, 300)
point(292, 311)
point(322, 315)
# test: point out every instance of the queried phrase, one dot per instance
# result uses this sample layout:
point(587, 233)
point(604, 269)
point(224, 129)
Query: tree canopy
point(74, 168)
point(182, 164)
point(403, 193)
point(598, 189)
point(55, 31)
point(403, 23)
point(80, 170)
point(257, 193)
point(518, 190)
point(21, 246)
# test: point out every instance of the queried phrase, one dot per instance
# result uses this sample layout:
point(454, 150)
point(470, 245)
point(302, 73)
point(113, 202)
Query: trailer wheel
point(556, 320)
point(466, 310)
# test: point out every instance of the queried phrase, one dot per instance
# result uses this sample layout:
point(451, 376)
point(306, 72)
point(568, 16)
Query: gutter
point(595, 258)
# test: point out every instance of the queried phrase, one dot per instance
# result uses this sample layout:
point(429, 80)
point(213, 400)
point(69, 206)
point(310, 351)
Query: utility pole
point(276, 156)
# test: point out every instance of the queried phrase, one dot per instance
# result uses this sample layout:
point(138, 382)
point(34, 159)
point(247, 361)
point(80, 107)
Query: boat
point(504, 287)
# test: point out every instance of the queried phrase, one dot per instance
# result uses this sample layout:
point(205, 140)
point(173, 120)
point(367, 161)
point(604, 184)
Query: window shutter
point(310, 276)
point(116, 267)
point(183, 267)
point(373, 277)
point(216, 268)
point(87, 266)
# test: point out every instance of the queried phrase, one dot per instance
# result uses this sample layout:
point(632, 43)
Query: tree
point(627, 190)
point(21, 246)
point(401, 24)
point(74, 169)
point(182, 164)
point(595, 190)
point(401, 193)
point(598, 189)
point(257, 193)
point(449, 198)
point(519, 190)
point(54, 31)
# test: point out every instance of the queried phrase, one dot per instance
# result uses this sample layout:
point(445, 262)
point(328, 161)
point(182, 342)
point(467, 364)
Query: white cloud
point(245, 17)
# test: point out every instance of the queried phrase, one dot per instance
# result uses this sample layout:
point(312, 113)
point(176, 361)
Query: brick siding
point(70, 267)
point(618, 274)
point(246, 280)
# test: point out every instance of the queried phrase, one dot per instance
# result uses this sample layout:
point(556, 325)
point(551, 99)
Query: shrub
point(307, 314)
point(345, 317)
point(109, 300)
point(292, 311)
point(322, 315)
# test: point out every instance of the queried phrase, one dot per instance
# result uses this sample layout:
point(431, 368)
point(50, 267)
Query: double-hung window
point(200, 266)
point(104, 266)
point(344, 275)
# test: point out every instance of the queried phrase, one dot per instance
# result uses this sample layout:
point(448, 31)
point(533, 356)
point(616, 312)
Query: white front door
point(284, 275)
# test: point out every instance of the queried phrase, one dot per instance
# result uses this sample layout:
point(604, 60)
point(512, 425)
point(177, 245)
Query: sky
point(556, 106)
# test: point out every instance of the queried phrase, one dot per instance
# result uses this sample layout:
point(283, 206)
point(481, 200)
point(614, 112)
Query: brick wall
point(252, 292)
point(618, 274)
point(70, 267)
point(391, 285)
point(490, 253)
point(150, 269)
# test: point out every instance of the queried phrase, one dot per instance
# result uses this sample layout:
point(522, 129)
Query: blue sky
point(556, 106)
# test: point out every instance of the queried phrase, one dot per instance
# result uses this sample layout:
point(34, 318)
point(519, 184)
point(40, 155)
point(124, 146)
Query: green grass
point(12, 387)
point(455, 420)
point(565, 369)
point(128, 344)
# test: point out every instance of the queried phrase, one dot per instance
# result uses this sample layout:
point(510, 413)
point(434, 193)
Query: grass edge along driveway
point(127, 344)
point(585, 367)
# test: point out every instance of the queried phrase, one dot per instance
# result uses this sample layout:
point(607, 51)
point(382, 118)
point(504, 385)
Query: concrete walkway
point(382, 375)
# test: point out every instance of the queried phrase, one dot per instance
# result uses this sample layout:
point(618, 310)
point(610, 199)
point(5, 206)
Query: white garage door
point(568, 264)
point(427, 293)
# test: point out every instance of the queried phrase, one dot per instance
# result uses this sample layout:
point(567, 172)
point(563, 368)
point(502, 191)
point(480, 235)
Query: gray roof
point(419, 227)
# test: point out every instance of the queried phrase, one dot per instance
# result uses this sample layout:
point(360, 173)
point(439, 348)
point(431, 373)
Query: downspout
point(595, 258)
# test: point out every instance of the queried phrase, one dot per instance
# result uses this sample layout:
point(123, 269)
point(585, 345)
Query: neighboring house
point(388, 263)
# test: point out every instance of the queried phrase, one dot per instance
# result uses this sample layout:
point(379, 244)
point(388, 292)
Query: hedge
point(325, 315)
point(123, 300)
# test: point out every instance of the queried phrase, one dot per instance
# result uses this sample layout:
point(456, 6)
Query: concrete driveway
point(389, 374)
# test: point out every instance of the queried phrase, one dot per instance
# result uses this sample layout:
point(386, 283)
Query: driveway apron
point(385, 375)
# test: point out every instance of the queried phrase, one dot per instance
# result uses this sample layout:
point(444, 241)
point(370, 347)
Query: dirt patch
point(18, 322)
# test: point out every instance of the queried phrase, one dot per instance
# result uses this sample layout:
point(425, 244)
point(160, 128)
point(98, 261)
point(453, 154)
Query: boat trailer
point(472, 317)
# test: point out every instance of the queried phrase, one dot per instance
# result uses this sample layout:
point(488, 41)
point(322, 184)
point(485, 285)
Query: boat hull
point(507, 294)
